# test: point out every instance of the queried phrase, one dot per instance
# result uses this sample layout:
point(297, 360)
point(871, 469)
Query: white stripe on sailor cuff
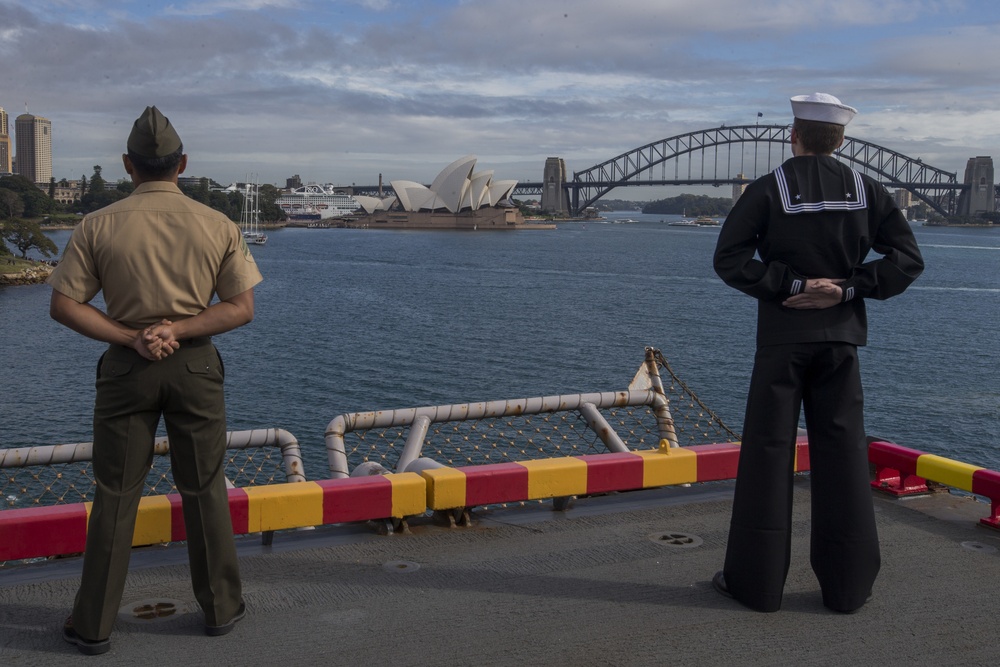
point(796, 286)
point(848, 294)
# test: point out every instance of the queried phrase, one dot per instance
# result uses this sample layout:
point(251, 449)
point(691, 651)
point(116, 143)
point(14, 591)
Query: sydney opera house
point(459, 198)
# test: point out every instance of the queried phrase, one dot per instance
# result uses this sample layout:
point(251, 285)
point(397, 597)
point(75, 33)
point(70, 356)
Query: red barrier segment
point(492, 484)
point(987, 483)
point(613, 472)
point(37, 532)
point(720, 461)
point(178, 532)
point(717, 462)
point(356, 499)
point(239, 511)
point(802, 461)
point(895, 469)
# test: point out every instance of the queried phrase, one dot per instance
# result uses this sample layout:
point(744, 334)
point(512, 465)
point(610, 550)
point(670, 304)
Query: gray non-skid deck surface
point(592, 586)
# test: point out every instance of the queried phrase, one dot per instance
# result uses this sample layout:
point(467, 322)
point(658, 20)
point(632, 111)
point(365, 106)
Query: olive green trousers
point(186, 389)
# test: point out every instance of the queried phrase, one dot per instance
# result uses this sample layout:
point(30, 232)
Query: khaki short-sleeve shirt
point(155, 254)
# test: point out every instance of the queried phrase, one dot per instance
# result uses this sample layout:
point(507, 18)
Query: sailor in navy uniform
point(798, 241)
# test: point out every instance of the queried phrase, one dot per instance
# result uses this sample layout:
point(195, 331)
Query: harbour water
point(351, 320)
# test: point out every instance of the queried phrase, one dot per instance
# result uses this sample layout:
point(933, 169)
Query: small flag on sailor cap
point(823, 108)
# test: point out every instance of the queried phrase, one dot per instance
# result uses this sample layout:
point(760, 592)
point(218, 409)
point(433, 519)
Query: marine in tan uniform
point(159, 257)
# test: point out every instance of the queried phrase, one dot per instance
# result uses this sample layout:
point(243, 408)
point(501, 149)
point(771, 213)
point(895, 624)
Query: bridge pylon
point(555, 199)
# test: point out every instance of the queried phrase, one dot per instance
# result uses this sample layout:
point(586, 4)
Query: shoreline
point(29, 275)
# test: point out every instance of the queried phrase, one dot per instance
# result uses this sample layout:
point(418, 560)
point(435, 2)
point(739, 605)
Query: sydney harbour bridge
point(733, 155)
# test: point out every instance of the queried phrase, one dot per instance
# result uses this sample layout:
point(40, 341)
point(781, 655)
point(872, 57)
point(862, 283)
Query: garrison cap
point(152, 135)
point(823, 108)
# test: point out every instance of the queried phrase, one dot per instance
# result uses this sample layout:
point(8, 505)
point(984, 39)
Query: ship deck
point(622, 579)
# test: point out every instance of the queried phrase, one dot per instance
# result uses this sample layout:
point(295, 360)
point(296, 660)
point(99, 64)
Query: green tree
point(11, 204)
point(269, 211)
point(52, 187)
point(222, 202)
point(96, 181)
point(201, 193)
point(25, 235)
point(36, 202)
point(690, 205)
point(126, 186)
point(97, 196)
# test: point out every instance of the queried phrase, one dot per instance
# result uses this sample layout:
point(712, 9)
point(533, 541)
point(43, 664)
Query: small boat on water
point(250, 219)
point(700, 221)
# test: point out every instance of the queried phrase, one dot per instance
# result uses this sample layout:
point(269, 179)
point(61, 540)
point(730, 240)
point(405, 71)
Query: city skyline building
point(903, 197)
point(33, 138)
point(740, 187)
point(6, 162)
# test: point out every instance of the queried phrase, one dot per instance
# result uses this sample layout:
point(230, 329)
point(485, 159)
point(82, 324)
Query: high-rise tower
point(5, 155)
point(33, 136)
point(740, 186)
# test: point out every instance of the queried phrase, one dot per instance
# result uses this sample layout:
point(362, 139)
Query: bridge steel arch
point(699, 155)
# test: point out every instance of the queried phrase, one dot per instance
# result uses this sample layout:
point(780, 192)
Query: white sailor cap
point(823, 108)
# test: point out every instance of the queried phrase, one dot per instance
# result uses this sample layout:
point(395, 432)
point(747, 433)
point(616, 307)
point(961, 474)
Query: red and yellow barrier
point(901, 471)
point(62, 529)
point(469, 486)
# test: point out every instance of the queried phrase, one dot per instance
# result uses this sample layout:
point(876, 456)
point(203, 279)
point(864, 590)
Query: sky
point(340, 91)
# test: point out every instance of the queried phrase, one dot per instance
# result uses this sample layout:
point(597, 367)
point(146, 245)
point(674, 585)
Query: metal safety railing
point(62, 474)
point(412, 439)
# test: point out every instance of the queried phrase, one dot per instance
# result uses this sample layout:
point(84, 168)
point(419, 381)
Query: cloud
point(341, 91)
point(213, 7)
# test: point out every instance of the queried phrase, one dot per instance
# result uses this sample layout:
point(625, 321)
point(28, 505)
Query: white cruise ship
point(313, 202)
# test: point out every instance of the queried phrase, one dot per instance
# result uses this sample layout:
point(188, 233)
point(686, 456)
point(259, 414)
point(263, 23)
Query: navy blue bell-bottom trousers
point(824, 380)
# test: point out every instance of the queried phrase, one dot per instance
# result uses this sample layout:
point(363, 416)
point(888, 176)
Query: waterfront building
point(903, 198)
point(979, 197)
point(66, 192)
point(6, 167)
point(459, 198)
point(740, 186)
point(33, 135)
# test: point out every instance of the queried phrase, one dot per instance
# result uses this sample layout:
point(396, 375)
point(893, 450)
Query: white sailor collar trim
point(793, 204)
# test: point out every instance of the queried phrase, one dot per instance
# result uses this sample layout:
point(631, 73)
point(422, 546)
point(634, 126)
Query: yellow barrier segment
point(445, 488)
point(279, 506)
point(409, 494)
point(153, 523)
point(946, 471)
point(554, 478)
point(676, 466)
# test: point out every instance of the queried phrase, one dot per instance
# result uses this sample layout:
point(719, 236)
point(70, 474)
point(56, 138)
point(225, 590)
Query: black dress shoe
point(85, 646)
point(856, 609)
point(225, 628)
point(719, 584)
